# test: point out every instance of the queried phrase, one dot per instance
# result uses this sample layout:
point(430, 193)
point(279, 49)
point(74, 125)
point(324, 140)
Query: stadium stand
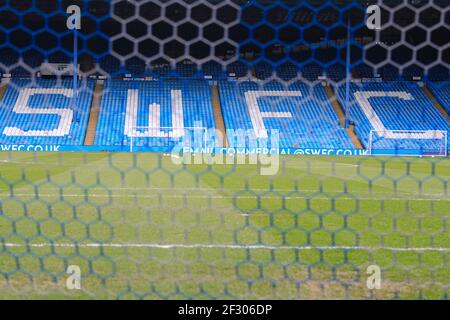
point(127, 105)
point(302, 114)
point(391, 106)
point(41, 112)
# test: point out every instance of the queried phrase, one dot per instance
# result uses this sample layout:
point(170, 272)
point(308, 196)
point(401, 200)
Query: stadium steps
point(435, 102)
point(218, 115)
point(336, 105)
point(3, 87)
point(354, 137)
point(341, 116)
point(93, 116)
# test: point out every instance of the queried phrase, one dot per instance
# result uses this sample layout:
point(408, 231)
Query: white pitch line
point(41, 162)
point(217, 246)
point(266, 190)
point(211, 196)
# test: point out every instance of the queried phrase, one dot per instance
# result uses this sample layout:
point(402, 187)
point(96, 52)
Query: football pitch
point(141, 227)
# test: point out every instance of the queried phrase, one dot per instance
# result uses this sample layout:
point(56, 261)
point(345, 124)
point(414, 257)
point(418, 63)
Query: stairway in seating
point(93, 116)
point(218, 116)
point(3, 87)
point(341, 116)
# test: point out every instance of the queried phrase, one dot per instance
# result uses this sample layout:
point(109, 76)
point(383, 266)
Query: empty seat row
point(45, 112)
point(160, 112)
point(441, 91)
point(399, 106)
point(302, 114)
point(153, 113)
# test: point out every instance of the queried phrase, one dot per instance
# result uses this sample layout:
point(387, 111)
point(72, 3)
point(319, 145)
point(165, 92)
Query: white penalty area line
point(219, 246)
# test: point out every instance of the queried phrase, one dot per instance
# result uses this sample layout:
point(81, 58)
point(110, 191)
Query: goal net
point(408, 143)
point(165, 139)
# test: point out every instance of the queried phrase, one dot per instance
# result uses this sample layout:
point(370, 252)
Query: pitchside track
point(140, 226)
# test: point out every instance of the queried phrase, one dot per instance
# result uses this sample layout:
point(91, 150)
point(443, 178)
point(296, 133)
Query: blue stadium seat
point(302, 114)
point(398, 106)
point(153, 99)
point(441, 91)
point(305, 117)
point(41, 112)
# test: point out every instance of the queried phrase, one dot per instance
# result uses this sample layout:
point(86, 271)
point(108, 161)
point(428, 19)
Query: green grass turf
point(313, 203)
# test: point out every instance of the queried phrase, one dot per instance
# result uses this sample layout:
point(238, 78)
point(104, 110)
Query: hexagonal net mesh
point(239, 37)
point(137, 225)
